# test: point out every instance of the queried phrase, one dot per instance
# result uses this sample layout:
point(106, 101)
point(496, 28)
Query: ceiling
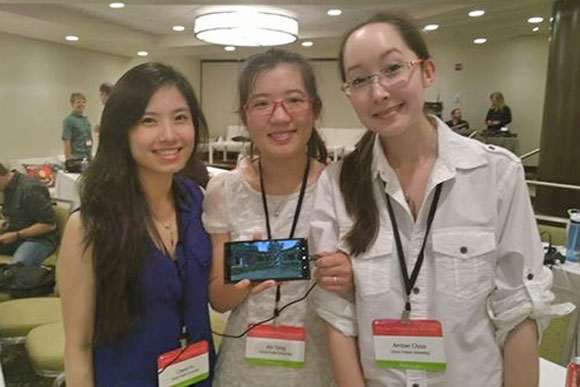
point(146, 24)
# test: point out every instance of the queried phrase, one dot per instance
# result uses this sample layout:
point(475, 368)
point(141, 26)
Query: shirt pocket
point(464, 261)
point(372, 269)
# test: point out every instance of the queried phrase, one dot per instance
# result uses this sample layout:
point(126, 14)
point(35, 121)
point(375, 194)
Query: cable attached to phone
point(276, 314)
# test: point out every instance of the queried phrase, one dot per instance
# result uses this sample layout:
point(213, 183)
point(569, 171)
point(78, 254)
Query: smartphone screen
point(278, 259)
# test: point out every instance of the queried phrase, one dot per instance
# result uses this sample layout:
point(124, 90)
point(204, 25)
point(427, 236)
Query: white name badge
point(282, 346)
point(416, 344)
point(183, 366)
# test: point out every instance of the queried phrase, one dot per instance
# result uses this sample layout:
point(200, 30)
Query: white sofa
point(340, 141)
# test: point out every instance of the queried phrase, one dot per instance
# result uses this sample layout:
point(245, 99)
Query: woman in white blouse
point(262, 199)
point(446, 256)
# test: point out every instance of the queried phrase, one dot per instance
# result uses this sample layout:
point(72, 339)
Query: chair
point(557, 234)
point(557, 344)
point(45, 348)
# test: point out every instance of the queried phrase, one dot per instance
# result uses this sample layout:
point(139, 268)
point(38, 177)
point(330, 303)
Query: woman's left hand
point(334, 272)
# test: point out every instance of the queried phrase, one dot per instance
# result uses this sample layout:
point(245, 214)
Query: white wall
point(516, 67)
point(36, 80)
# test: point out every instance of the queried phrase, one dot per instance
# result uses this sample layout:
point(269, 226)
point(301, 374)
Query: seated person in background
point(456, 123)
point(76, 130)
point(29, 232)
point(499, 114)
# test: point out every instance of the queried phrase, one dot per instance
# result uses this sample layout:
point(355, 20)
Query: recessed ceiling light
point(479, 40)
point(431, 27)
point(536, 29)
point(307, 44)
point(334, 12)
point(71, 38)
point(178, 28)
point(535, 19)
point(476, 13)
point(229, 48)
point(142, 53)
point(551, 19)
point(116, 5)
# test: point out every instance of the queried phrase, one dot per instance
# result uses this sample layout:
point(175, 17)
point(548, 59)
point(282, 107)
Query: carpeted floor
point(17, 370)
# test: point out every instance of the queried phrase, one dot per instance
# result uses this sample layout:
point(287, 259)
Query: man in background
point(456, 123)
point(76, 130)
point(105, 91)
point(28, 231)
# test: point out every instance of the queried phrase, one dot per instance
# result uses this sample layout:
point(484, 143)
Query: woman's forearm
point(520, 356)
point(79, 367)
point(344, 359)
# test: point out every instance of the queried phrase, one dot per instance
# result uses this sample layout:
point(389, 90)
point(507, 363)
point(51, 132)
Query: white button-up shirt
point(482, 273)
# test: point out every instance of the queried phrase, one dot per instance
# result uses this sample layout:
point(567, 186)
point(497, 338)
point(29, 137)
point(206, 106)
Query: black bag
point(21, 281)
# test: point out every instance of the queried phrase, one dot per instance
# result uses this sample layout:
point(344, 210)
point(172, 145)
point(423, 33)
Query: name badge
point(183, 366)
point(416, 344)
point(282, 346)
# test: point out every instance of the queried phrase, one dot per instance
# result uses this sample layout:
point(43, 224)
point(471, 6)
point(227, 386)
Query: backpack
point(21, 281)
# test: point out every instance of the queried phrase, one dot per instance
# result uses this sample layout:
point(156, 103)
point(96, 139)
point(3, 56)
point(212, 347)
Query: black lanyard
point(410, 282)
point(294, 221)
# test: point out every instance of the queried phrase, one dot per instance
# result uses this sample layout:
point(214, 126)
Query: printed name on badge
point(282, 346)
point(416, 344)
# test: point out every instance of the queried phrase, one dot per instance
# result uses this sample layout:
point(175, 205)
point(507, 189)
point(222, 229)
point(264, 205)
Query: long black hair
point(356, 181)
point(268, 60)
point(114, 212)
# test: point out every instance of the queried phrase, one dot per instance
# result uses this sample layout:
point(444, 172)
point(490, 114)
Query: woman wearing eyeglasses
point(270, 196)
point(446, 256)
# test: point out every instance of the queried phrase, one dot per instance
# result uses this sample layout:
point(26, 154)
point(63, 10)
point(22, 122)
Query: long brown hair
point(356, 181)
point(268, 60)
point(115, 212)
point(500, 100)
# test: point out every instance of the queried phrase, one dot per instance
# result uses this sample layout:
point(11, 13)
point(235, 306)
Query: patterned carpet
point(17, 370)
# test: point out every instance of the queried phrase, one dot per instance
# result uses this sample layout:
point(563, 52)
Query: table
point(551, 374)
point(224, 146)
point(67, 187)
point(336, 151)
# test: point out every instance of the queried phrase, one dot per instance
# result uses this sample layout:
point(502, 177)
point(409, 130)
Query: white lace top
point(232, 206)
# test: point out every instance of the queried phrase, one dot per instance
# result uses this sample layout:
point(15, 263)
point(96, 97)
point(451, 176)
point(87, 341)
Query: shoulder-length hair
point(114, 210)
point(356, 181)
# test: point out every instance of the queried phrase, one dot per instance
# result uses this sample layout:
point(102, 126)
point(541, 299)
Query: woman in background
point(134, 262)
point(445, 251)
point(499, 114)
point(270, 196)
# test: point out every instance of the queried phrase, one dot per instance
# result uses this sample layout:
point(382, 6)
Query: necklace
point(168, 229)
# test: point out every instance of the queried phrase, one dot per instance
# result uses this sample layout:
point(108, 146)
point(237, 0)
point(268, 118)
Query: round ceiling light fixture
point(535, 20)
point(479, 40)
point(247, 28)
point(431, 27)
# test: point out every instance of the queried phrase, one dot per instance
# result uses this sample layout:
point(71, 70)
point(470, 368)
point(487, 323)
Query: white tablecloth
point(67, 187)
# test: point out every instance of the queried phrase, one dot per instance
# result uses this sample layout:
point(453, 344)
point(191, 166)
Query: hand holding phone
point(260, 260)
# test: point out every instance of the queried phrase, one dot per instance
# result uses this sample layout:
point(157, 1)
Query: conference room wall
point(517, 67)
point(37, 78)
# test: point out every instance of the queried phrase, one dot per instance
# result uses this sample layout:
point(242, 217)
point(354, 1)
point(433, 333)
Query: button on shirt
point(483, 245)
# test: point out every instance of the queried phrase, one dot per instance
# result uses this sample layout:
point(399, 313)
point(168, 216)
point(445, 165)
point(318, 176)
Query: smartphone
point(259, 260)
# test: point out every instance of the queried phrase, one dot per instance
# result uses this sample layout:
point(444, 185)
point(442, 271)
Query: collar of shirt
point(452, 154)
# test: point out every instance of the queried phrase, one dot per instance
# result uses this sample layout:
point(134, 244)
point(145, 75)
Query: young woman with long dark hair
point(446, 255)
point(134, 262)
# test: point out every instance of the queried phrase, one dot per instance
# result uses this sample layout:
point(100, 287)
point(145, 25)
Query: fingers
point(243, 284)
point(263, 286)
point(256, 236)
point(334, 271)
